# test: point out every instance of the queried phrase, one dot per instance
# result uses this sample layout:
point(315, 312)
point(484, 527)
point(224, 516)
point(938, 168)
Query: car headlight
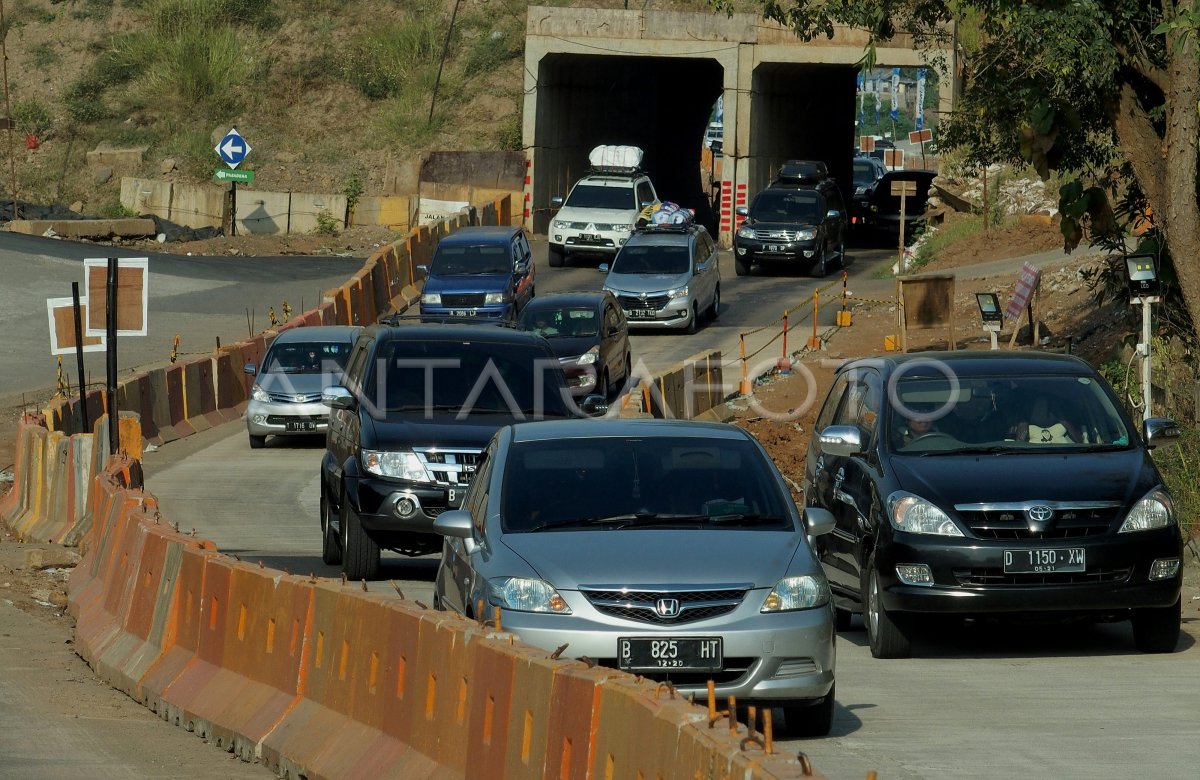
point(525, 595)
point(794, 593)
point(806, 235)
point(589, 357)
point(746, 232)
point(1155, 510)
point(678, 292)
point(402, 465)
point(433, 299)
point(493, 297)
point(917, 516)
point(859, 190)
point(561, 225)
point(258, 394)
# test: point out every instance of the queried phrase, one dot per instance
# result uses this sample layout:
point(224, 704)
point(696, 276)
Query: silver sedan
point(666, 548)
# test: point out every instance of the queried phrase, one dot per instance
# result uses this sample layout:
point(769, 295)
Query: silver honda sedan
point(667, 548)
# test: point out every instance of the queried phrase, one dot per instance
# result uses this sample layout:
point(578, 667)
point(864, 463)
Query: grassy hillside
point(330, 94)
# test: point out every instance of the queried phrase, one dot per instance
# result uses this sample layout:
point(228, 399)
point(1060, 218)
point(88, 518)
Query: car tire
point(1156, 629)
point(694, 322)
point(360, 554)
point(331, 545)
point(842, 254)
point(628, 369)
point(811, 720)
point(605, 386)
point(557, 256)
point(887, 632)
point(715, 310)
point(842, 618)
point(741, 267)
point(257, 442)
point(821, 267)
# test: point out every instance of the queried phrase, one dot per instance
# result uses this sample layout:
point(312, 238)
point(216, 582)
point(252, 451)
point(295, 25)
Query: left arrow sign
point(233, 148)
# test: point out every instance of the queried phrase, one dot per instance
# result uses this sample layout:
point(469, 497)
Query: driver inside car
point(916, 423)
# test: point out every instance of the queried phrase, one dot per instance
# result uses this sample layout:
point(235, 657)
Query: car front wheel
point(257, 442)
point(715, 310)
point(331, 546)
point(360, 554)
point(1156, 629)
point(741, 266)
point(557, 255)
point(887, 633)
point(813, 720)
point(693, 321)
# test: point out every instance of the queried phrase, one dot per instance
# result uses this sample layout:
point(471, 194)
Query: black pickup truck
point(415, 408)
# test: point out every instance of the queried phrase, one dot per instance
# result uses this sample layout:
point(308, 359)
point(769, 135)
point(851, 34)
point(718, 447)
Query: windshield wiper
point(621, 521)
point(746, 519)
point(991, 449)
point(423, 407)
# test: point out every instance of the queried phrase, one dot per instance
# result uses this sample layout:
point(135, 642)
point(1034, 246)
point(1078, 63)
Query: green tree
point(1103, 92)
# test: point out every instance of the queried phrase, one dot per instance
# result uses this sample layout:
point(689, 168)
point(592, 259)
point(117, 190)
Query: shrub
point(43, 55)
point(33, 117)
point(380, 63)
point(327, 224)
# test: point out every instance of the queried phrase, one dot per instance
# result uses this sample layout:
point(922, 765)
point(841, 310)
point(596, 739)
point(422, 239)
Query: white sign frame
point(142, 263)
point(55, 347)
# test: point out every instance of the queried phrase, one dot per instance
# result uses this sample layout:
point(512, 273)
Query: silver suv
point(599, 213)
point(667, 276)
point(671, 549)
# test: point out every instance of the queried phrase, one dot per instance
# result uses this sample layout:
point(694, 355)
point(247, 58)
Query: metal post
point(114, 429)
point(1146, 393)
point(900, 264)
point(233, 208)
point(12, 156)
point(83, 410)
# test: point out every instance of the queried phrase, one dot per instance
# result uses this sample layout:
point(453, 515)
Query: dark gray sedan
point(666, 548)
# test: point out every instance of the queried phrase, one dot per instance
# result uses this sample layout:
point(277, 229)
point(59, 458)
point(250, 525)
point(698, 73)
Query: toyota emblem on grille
point(299, 399)
point(1040, 514)
point(642, 296)
point(667, 608)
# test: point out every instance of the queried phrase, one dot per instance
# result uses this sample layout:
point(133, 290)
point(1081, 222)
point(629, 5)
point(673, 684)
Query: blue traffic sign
point(233, 148)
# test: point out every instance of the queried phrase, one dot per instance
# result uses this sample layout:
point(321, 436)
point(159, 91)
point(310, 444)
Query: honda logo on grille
point(667, 608)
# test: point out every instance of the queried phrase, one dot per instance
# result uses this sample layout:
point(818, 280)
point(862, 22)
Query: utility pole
point(8, 117)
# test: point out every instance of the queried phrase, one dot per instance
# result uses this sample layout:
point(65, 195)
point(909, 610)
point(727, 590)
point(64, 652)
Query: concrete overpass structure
point(650, 78)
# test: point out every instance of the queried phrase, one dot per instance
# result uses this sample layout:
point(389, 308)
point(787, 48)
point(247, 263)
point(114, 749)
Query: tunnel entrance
point(660, 104)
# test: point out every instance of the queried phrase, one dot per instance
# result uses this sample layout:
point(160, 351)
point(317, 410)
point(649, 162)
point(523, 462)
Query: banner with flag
point(862, 116)
point(895, 91)
point(920, 98)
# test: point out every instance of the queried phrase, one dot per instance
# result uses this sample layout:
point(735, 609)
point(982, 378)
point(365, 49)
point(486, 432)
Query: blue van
point(483, 272)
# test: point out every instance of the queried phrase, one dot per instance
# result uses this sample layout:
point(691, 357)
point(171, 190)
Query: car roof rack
point(406, 318)
point(802, 170)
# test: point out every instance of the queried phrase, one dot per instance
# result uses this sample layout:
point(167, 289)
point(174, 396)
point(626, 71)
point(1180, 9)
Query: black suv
point(984, 484)
point(799, 219)
point(407, 424)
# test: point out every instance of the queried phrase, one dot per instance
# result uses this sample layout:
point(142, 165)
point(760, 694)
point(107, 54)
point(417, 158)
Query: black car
point(589, 334)
point(986, 484)
point(879, 209)
point(416, 407)
point(796, 221)
point(867, 171)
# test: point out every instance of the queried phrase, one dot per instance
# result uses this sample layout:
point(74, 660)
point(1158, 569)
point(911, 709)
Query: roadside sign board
point(233, 148)
point(893, 158)
point(225, 174)
point(61, 312)
point(920, 136)
point(1027, 282)
point(866, 143)
point(133, 295)
point(901, 188)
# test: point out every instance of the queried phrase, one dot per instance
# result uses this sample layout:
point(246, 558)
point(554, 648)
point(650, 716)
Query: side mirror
point(603, 268)
point(818, 521)
point(423, 269)
point(338, 397)
point(250, 369)
point(832, 214)
point(521, 268)
point(742, 211)
point(455, 523)
point(556, 201)
point(841, 441)
point(594, 406)
point(1160, 432)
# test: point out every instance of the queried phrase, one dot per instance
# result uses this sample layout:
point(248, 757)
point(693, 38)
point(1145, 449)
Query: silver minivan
point(667, 276)
point(285, 399)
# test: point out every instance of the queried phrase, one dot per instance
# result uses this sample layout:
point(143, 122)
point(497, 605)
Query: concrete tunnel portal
point(650, 79)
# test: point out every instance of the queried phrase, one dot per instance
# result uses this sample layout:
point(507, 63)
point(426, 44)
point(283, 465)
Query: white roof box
point(620, 158)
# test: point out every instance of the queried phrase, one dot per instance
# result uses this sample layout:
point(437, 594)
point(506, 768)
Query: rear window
point(716, 483)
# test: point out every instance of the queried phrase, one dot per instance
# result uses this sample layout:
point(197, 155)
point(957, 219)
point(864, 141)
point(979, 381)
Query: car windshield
point(786, 206)
point(652, 258)
point(460, 259)
point(467, 378)
point(864, 173)
point(595, 196)
point(568, 322)
point(307, 358)
point(620, 483)
point(1026, 413)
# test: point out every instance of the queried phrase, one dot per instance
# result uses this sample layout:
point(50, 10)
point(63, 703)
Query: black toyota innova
point(981, 484)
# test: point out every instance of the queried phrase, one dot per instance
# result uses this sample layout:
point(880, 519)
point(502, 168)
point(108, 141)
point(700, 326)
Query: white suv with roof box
point(600, 212)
